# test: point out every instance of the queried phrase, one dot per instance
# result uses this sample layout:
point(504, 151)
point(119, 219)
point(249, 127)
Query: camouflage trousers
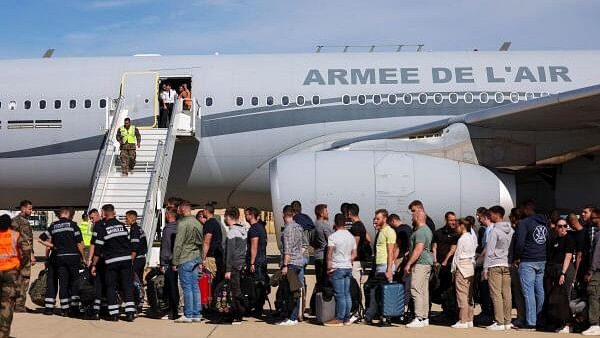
point(127, 157)
point(22, 287)
point(8, 289)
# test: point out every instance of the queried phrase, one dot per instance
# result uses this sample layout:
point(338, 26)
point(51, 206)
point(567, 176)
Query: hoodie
point(235, 249)
point(498, 245)
point(532, 235)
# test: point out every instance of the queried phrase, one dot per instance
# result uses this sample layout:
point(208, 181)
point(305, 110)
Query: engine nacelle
point(385, 179)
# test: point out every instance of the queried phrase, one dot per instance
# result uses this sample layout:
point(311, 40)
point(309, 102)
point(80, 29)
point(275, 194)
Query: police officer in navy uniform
point(64, 238)
point(99, 282)
point(139, 245)
point(114, 245)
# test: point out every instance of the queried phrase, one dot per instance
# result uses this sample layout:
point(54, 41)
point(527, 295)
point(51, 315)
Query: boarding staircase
point(144, 189)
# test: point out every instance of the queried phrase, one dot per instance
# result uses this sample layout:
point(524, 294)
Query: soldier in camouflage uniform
point(128, 137)
point(11, 258)
point(21, 224)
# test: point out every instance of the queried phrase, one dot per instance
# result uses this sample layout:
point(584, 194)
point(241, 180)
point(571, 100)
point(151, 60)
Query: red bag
point(205, 285)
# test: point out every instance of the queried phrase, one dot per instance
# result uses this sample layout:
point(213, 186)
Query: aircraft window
point(438, 98)
point(529, 96)
point(254, 101)
point(316, 100)
point(407, 98)
point(346, 99)
point(484, 97)
point(392, 99)
point(87, 103)
point(300, 100)
point(103, 103)
point(468, 97)
point(12, 105)
point(72, 104)
point(453, 98)
point(499, 97)
point(42, 104)
point(542, 94)
point(27, 104)
point(209, 101)
point(362, 99)
point(270, 100)
point(57, 104)
point(239, 101)
point(422, 98)
point(514, 97)
point(377, 99)
point(285, 100)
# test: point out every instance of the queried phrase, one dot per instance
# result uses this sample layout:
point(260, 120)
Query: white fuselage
point(235, 143)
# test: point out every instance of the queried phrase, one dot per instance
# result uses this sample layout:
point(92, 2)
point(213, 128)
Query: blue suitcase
point(392, 296)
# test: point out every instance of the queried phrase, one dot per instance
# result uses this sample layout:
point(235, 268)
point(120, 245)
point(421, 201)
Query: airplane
point(380, 129)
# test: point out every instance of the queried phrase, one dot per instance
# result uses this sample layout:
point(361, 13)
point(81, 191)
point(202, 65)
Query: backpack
point(223, 297)
point(155, 293)
point(87, 289)
point(37, 290)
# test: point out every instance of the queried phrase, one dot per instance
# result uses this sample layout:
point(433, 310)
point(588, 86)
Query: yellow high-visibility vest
point(128, 136)
point(86, 232)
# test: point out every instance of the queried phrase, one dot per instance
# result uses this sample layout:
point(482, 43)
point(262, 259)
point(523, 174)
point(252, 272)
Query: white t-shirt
point(343, 243)
point(168, 96)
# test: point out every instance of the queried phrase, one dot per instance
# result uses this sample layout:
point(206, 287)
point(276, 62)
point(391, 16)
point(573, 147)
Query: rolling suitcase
point(392, 296)
point(205, 285)
point(325, 309)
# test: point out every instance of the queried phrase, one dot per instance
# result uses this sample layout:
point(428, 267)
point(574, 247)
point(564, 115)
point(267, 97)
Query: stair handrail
point(158, 184)
point(106, 158)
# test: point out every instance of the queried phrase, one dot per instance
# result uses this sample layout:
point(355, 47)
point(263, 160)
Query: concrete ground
point(33, 325)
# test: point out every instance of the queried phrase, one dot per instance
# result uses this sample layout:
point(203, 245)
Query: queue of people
point(546, 268)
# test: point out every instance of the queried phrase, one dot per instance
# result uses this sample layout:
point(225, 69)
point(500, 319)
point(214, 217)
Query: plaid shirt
point(293, 234)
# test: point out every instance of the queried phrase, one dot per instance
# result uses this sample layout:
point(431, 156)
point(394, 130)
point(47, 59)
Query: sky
point(127, 27)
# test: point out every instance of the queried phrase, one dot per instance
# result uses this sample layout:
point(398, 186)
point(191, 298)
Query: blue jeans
point(188, 278)
point(532, 283)
point(300, 271)
point(343, 300)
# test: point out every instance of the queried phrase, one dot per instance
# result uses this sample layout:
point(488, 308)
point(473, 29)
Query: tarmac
point(34, 325)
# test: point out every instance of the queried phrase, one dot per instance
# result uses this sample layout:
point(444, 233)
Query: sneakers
point(236, 322)
point(565, 329)
point(183, 319)
point(288, 322)
point(496, 327)
point(418, 323)
point(594, 330)
point(531, 328)
point(196, 320)
point(508, 326)
point(460, 325)
point(48, 312)
point(470, 324)
point(351, 321)
point(129, 317)
point(333, 323)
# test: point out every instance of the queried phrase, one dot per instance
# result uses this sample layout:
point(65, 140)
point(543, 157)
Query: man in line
point(530, 250)
point(593, 279)
point(419, 267)
point(187, 260)
point(341, 252)
point(65, 240)
point(15, 251)
point(139, 245)
point(167, 244)
point(418, 205)
point(128, 137)
point(581, 252)
point(486, 226)
point(256, 254)
point(363, 244)
point(385, 248)
point(235, 258)
point(319, 243)
point(293, 257)
point(443, 249)
point(113, 244)
point(403, 232)
point(21, 224)
point(213, 245)
point(496, 269)
point(99, 278)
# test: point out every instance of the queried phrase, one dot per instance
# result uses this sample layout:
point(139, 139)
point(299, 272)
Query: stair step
point(114, 199)
point(137, 173)
point(127, 186)
point(129, 180)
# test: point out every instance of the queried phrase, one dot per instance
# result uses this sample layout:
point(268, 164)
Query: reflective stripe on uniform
point(118, 259)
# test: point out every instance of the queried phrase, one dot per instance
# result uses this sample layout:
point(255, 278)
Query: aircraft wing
point(542, 131)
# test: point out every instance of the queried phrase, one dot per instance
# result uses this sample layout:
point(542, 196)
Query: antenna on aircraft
point(505, 46)
point(48, 53)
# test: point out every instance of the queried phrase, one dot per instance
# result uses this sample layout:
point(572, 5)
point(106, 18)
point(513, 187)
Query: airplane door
point(140, 97)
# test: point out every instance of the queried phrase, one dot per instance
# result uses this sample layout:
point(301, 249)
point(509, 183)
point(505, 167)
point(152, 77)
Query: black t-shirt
point(559, 247)
point(403, 233)
point(358, 230)
point(213, 227)
point(579, 237)
point(430, 224)
point(444, 238)
point(257, 231)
